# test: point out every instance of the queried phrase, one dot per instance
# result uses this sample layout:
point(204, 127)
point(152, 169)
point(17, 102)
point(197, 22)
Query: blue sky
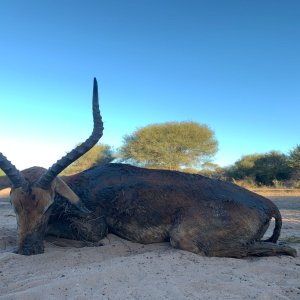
point(233, 65)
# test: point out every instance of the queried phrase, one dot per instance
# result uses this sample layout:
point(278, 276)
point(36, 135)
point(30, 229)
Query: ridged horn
point(11, 172)
point(72, 156)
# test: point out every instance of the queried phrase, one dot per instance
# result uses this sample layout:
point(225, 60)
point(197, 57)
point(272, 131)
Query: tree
point(294, 158)
point(244, 167)
point(272, 167)
point(99, 154)
point(214, 171)
point(2, 173)
point(263, 169)
point(294, 162)
point(170, 145)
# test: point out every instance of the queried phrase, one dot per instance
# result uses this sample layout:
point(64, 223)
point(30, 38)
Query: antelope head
point(33, 190)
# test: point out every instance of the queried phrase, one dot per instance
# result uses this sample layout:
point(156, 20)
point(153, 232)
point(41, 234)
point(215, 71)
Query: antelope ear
point(63, 189)
point(4, 182)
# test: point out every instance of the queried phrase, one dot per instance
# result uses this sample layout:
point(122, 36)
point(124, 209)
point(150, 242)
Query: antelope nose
point(33, 244)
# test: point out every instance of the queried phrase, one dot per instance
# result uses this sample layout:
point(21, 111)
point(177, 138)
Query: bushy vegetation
point(294, 158)
point(188, 147)
point(294, 163)
point(99, 154)
point(215, 171)
point(263, 169)
point(170, 145)
point(273, 169)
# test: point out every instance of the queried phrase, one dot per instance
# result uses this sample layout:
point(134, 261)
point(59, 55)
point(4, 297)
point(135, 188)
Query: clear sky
point(233, 65)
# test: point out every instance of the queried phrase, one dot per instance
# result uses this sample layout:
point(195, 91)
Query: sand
point(124, 270)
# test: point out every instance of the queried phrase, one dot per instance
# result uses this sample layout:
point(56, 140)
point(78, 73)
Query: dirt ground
point(123, 270)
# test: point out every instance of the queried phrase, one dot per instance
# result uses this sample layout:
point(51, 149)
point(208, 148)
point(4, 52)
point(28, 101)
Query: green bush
point(173, 145)
point(99, 154)
point(263, 169)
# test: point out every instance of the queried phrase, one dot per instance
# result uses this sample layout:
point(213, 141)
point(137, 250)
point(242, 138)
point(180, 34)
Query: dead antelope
point(194, 213)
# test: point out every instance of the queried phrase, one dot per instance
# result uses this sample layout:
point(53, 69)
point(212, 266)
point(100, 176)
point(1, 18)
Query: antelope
point(194, 213)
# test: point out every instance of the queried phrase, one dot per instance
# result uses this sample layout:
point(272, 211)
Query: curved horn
point(72, 156)
point(11, 171)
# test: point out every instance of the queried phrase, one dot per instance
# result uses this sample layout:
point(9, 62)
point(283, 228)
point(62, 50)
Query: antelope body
point(195, 213)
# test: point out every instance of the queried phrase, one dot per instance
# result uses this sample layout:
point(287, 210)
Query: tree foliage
point(214, 171)
point(272, 167)
point(244, 167)
point(294, 158)
point(294, 162)
point(170, 145)
point(264, 169)
point(99, 154)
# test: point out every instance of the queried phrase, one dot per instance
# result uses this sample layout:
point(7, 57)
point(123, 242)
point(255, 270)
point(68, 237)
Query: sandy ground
point(125, 270)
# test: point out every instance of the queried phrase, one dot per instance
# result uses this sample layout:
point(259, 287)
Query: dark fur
point(195, 213)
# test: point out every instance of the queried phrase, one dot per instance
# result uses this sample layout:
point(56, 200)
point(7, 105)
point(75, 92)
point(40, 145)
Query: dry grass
point(267, 192)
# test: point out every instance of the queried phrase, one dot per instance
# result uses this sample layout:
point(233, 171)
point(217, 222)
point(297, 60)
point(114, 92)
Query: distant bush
point(99, 154)
point(247, 183)
point(170, 145)
point(262, 169)
point(296, 184)
point(217, 173)
point(294, 158)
